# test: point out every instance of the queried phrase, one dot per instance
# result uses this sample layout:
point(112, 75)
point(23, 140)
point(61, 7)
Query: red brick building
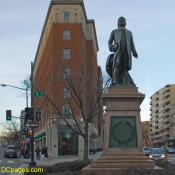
point(67, 47)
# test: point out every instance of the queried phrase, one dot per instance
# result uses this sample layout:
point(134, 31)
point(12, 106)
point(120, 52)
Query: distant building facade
point(162, 124)
point(146, 132)
point(68, 45)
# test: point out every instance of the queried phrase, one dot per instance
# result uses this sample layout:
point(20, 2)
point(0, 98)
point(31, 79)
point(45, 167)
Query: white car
point(170, 150)
point(157, 154)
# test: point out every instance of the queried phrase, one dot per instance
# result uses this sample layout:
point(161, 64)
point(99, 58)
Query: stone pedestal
point(123, 146)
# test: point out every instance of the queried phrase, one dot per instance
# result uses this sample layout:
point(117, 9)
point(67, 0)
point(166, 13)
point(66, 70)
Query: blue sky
point(151, 22)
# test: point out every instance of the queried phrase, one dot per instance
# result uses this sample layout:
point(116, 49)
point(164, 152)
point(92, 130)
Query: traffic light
point(29, 114)
point(23, 131)
point(37, 114)
point(30, 133)
point(8, 115)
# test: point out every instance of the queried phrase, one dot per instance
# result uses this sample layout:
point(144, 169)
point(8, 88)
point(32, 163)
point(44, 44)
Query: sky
point(151, 22)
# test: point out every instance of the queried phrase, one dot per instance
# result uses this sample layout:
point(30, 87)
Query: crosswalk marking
point(171, 159)
point(10, 161)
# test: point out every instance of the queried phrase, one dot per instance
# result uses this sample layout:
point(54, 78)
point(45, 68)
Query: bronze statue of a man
point(119, 63)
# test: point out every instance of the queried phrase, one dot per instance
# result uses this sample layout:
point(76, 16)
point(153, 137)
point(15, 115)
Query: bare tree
point(11, 133)
point(85, 108)
point(106, 82)
point(3, 140)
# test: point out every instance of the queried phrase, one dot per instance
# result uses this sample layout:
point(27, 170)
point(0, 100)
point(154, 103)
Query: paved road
point(171, 158)
point(8, 162)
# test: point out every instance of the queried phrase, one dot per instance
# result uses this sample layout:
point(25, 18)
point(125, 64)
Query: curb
point(157, 167)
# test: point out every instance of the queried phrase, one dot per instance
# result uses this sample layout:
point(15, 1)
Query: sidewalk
point(59, 159)
point(52, 161)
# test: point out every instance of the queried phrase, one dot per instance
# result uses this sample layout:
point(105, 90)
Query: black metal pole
point(32, 163)
point(27, 98)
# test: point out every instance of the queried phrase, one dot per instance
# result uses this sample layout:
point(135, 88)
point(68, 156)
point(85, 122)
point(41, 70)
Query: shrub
point(72, 167)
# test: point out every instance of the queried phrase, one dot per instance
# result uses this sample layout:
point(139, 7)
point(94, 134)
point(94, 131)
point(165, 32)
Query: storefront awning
point(40, 136)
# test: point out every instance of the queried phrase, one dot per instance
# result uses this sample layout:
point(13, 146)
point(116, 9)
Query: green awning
point(40, 136)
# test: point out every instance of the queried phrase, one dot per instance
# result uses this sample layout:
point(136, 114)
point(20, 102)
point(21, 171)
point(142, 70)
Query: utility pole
point(32, 163)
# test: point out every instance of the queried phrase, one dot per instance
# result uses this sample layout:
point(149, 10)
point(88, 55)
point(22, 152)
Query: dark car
point(146, 150)
point(157, 154)
point(10, 151)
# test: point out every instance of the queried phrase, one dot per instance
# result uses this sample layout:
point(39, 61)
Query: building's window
point(66, 35)
point(66, 73)
point(66, 93)
point(66, 53)
point(66, 16)
point(66, 110)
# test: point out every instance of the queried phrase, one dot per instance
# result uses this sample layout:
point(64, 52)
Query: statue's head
point(121, 22)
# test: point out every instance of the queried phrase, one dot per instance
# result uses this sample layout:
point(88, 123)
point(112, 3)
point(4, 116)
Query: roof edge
point(93, 22)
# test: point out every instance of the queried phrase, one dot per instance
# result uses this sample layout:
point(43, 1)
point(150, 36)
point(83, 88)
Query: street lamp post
point(24, 89)
point(32, 163)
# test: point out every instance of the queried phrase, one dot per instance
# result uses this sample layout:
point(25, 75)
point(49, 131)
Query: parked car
point(146, 150)
point(170, 150)
point(10, 151)
point(157, 154)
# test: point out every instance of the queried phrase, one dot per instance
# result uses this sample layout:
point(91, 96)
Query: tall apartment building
point(68, 46)
point(145, 132)
point(162, 117)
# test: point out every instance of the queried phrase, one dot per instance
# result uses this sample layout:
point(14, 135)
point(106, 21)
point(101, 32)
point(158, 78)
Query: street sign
point(27, 139)
point(38, 93)
point(32, 124)
point(23, 132)
point(29, 114)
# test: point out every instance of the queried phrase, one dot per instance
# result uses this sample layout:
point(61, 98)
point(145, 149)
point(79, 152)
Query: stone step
point(126, 164)
point(121, 160)
point(120, 157)
point(123, 154)
point(123, 157)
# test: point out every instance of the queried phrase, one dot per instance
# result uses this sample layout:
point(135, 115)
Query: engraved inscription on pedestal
point(123, 132)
